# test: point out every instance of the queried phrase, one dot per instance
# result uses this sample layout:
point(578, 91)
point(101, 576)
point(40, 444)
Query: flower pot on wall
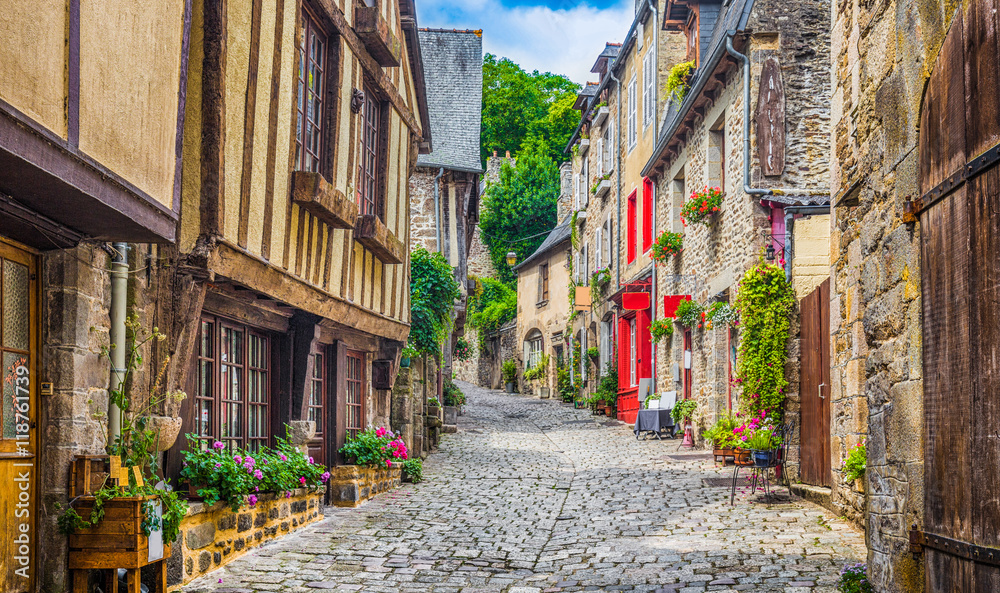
point(167, 428)
point(509, 387)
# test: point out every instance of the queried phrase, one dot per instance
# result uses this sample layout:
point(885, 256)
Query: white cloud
point(536, 37)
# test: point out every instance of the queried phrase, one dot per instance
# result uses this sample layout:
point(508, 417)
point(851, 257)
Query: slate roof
point(556, 236)
point(453, 72)
point(611, 51)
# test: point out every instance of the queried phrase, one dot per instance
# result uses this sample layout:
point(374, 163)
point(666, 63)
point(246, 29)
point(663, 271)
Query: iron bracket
point(971, 169)
point(966, 550)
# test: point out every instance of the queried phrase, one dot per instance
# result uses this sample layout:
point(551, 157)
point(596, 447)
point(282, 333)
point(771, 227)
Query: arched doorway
point(959, 214)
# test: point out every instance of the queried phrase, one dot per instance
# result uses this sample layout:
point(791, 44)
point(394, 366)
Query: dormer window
point(691, 32)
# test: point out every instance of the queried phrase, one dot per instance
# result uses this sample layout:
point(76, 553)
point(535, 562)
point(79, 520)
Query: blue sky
point(561, 36)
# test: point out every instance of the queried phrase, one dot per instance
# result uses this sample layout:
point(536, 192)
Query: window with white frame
point(609, 147)
point(532, 349)
point(634, 354)
point(608, 240)
point(632, 100)
point(598, 255)
point(583, 355)
point(576, 191)
point(605, 346)
point(648, 90)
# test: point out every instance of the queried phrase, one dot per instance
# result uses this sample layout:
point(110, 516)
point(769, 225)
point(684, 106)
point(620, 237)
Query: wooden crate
point(117, 541)
point(88, 473)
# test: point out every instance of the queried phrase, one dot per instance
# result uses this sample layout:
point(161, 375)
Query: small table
point(653, 421)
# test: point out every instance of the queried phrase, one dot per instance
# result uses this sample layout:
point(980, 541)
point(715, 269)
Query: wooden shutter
point(598, 260)
point(600, 159)
point(960, 239)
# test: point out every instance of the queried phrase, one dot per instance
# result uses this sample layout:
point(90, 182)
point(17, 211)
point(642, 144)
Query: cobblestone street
point(534, 496)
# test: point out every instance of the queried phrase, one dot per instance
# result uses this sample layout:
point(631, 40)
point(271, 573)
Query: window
point(647, 214)
point(599, 255)
point(608, 241)
point(630, 240)
point(312, 67)
point(691, 32)
point(585, 261)
point(234, 386)
point(583, 356)
point(715, 160)
point(605, 347)
point(608, 147)
point(369, 161)
point(632, 135)
point(648, 89)
point(317, 394)
point(355, 402)
point(543, 283)
point(632, 359)
point(584, 179)
point(576, 192)
point(533, 347)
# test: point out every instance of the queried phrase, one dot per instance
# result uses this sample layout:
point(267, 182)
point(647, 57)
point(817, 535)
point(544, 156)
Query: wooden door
point(18, 416)
point(814, 389)
point(960, 239)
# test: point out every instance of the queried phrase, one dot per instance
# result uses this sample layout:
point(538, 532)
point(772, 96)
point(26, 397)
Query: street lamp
point(511, 258)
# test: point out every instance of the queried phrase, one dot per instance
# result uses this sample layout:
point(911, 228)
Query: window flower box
point(602, 188)
point(584, 146)
point(373, 234)
point(314, 194)
point(601, 115)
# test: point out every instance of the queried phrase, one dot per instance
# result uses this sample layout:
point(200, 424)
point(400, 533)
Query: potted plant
point(413, 470)
point(126, 490)
point(661, 328)
point(667, 245)
point(701, 205)
point(855, 465)
point(508, 371)
point(407, 354)
point(676, 87)
point(689, 313)
point(720, 313)
point(762, 444)
point(682, 413)
point(453, 400)
point(724, 441)
point(433, 405)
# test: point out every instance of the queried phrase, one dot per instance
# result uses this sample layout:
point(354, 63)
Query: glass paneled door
point(18, 413)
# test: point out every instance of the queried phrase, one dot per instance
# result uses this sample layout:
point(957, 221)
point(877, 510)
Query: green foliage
point(493, 305)
point(539, 371)
point(433, 290)
point(854, 579)
point(522, 203)
point(762, 439)
point(597, 182)
point(607, 387)
point(462, 349)
point(375, 447)
point(764, 302)
point(720, 313)
point(677, 81)
point(667, 245)
point(689, 313)
point(452, 395)
point(599, 280)
point(508, 370)
point(593, 352)
point(721, 433)
point(567, 391)
point(661, 328)
point(414, 469)
point(236, 476)
point(701, 205)
point(522, 109)
point(856, 463)
point(683, 410)
point(433, 402)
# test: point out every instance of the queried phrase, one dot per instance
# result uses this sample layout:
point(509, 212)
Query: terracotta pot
point(608, 411)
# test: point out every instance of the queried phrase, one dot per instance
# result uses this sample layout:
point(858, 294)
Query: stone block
point(200, 536)
point(260, 519)
point(245, 522)
point(175, 566)
point(904, 422)
point(227, 522)
point(205, 561)
point(189, 565)
point(239, 544)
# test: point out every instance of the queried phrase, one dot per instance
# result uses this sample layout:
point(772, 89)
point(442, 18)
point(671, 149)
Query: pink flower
point(324, 477)
point(218, 465)
point(252, 499)
point(258, 474)
point(218, 445)
point(302, 481)
point(283, 458)
point(237, 459)
point(288, 494)
point(388, 463)
point(310, 461)
point(380, 431)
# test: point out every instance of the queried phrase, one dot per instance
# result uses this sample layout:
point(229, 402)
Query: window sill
point(380, 41)
point(541, 304)
point(374, 235)
point(313, 193)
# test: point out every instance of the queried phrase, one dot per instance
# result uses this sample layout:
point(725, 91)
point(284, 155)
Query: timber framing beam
point(231, 262)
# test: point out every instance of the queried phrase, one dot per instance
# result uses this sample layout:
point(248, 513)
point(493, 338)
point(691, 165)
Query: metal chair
point(759, 473)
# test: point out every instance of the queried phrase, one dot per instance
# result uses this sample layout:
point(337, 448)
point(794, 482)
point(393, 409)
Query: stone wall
point(413, 387)
point(212, 536)
point(877, 374)
point(351, 485)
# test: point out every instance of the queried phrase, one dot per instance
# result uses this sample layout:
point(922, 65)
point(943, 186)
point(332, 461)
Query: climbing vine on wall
point(765, 302)
point(433, 290)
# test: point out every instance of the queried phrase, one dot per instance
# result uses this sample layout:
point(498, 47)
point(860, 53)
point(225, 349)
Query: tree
point(520, 204)
point(517, 105)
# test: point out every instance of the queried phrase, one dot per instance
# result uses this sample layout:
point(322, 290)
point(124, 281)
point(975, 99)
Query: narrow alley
point(530, 496)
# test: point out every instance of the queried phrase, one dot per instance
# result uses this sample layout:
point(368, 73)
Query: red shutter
point(631, 228)
point(624, 357)
point(643, 343)
point(647, 214)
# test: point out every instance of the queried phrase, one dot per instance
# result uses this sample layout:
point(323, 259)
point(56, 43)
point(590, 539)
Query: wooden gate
point(959, 212)
point(814, 435)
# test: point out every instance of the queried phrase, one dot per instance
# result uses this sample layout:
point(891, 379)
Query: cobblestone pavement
point(532, 496)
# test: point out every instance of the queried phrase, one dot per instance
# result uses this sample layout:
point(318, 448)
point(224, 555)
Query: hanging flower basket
point(701, 205)
point(667, 245)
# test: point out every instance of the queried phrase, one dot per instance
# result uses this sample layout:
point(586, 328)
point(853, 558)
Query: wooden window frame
point(633, 114)
point(372, 148)
point(543, 283)
point(319, 383)
point(327, 117)
point(352, 429)
point(243, 399)
point(692, 28)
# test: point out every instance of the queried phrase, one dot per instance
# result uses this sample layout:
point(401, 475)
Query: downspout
point(618, 179)
point(746, 135)
point(119, 307)
point(437, 207)
point(656, 119)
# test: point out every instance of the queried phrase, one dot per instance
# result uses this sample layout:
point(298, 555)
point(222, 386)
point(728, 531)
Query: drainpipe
point(618, 178)
point(656, 65)
point(746, 136)
point(437, 207)
point(119, 305)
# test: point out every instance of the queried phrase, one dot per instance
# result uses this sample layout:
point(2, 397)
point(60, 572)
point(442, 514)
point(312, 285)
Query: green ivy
point(856, 463)
point(764, 303)
point(677, 81)
point(433, 290)
point(492, 305)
